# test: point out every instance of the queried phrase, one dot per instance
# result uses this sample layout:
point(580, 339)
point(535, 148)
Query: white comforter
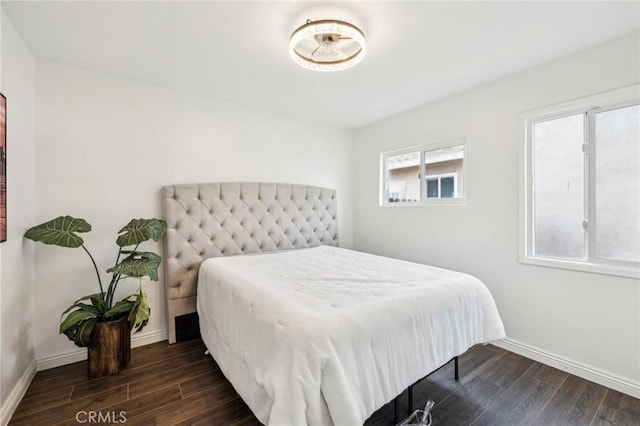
point(327, 336)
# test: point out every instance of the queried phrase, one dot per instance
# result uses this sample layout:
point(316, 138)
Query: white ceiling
point(237, 51)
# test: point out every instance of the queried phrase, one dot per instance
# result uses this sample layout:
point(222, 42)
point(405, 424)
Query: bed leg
point(410, 399)
point(455, 363)
point(396, 410)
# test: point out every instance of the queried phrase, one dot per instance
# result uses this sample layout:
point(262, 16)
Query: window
point(581, 191)
point(442, 166)
point(442, 186)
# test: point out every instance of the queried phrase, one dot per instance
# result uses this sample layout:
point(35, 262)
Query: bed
point(307, 332)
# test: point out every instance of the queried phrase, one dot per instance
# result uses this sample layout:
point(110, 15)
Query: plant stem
point(112, 287)
point(110, 290)
point(96, 268)
point(115, 279)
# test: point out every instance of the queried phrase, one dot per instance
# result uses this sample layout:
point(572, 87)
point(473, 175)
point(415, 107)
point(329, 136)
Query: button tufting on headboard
point(215, 219)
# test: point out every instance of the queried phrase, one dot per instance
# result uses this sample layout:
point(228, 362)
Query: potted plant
point(95, 321)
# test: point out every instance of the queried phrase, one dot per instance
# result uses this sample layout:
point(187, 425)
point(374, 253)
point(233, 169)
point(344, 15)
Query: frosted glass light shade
point(327, 45)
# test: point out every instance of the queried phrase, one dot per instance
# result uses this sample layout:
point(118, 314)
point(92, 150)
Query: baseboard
point(148, 338)
point(604, 378)
point(81, 354)
point(61, 359)
point(10, 405)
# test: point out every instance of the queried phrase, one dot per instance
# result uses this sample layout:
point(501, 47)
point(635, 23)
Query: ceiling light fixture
point(327, 45)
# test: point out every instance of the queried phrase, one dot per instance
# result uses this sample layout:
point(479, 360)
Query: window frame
point(589, 106)
point(424, 201)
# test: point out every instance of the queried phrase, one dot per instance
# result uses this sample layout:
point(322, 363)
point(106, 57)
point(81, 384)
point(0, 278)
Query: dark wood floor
point(178, 384)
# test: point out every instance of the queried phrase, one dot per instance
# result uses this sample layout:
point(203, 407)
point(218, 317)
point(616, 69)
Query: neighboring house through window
point(442, 166)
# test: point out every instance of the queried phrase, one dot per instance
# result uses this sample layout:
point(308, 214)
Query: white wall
point(16, 255)
point(105, 146)
point(591, 319)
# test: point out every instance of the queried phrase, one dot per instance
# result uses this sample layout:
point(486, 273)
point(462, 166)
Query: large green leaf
point(122, 307)
point(82, 337)
point(138, 265)
point(140, 230)
point(74, 318)
point(88, 308)
point(60, 231)
point(77, 326)
point(96, 301)
point(139, 315)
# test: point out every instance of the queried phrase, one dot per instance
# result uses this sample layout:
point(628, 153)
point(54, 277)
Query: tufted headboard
point(220, 219)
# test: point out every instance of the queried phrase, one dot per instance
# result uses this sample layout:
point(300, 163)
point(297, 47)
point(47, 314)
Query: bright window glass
point(558, 194)
point(617, 183)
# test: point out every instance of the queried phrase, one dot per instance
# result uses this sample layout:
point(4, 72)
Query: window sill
point(438, 202)
point(595, 268)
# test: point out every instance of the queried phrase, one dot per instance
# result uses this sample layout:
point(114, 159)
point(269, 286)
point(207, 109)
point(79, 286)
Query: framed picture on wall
point(3, 168)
